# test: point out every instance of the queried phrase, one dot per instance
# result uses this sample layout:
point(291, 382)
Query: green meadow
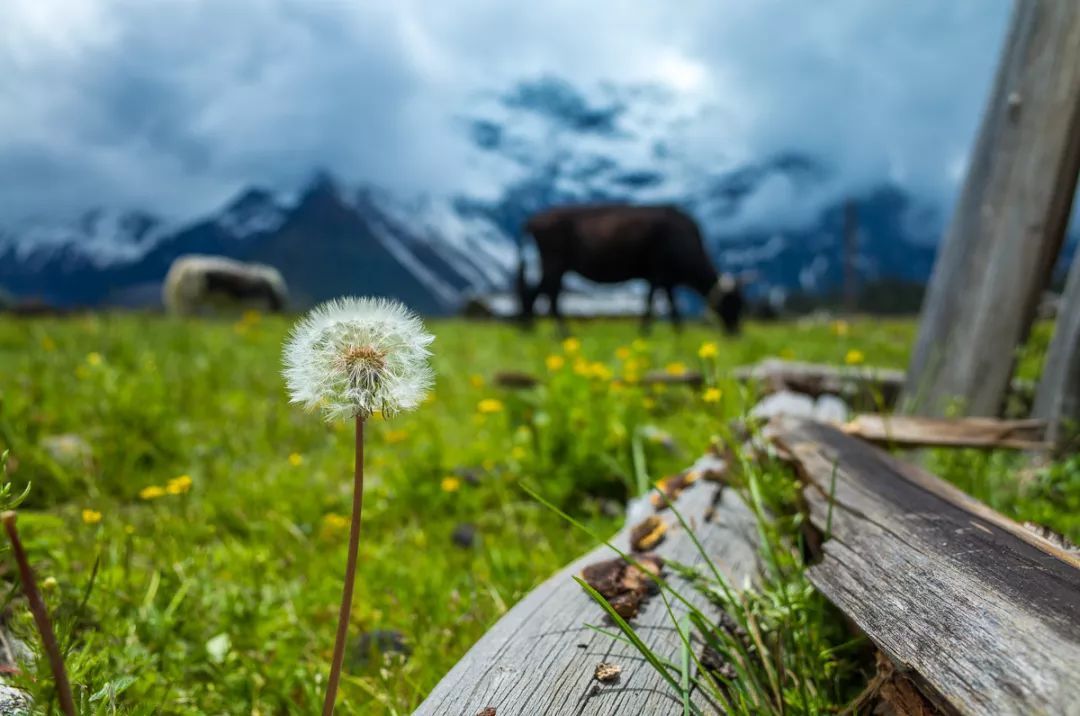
point(188, 525)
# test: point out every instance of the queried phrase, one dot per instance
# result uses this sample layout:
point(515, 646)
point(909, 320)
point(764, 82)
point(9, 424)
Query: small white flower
point(354, 356)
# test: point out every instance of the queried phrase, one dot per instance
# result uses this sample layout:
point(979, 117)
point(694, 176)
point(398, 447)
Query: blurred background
point(397, 149)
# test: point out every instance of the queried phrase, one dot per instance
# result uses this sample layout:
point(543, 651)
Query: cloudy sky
point(173, 105)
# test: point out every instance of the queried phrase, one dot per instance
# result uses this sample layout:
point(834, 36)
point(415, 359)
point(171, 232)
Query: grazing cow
point(613, 243)
point(196, 283)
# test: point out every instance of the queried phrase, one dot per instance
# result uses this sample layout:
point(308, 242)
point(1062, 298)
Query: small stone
point(486, 711)
point(14, 702)
point(469, 475)
point(464, 535)
point(372, 646)
point(831, 409)
point(784, 402)
point(68, 449)
point(607, 673)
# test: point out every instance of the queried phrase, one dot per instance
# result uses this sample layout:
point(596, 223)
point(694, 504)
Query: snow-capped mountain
point(541, 143)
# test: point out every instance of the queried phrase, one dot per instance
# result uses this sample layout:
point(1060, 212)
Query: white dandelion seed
point(352, 357)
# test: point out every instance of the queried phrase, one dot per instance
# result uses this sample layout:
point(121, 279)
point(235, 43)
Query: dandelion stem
point(350, 573)
point(41, 616)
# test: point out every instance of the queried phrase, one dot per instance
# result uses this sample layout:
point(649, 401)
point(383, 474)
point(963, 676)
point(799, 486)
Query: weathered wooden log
point(1009, 222)
point(986, 433)
point(519, 380)
point(864, 385)
point(1058, 398)
point(540, 658)
point(980, 613)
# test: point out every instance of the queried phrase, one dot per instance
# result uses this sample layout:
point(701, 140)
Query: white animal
point(197, 283)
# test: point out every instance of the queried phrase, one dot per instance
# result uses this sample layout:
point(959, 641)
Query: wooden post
point(1057, 400)
point(851, 253)
point(1010, 219)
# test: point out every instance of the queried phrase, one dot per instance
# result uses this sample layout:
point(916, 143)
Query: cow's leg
point(552, 287)
point(646, 318)
point(673, 308)
point(528, 302)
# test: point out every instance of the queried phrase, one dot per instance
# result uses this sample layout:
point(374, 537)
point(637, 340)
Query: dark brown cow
point(612, 243)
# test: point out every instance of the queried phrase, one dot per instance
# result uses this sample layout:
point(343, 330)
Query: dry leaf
point(672, 487)
point(647, 534)
point(607, 673)
point(622, 584)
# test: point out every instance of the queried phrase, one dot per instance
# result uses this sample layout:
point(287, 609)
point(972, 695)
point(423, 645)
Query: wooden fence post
point(1057, 399)
point(1010, 219)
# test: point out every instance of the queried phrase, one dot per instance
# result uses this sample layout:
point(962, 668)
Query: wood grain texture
point(981, 614)
point(1009, 222)
point(539, 659)
point(912, 431)
point(1058, 397)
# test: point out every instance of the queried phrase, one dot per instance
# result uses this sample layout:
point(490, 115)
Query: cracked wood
point(980, 613)
point(540, 658)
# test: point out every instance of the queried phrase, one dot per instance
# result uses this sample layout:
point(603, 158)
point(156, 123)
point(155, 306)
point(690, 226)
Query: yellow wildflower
point(649, 403)
point(93, 358)
point(712, 395)
point(600, 371)
point(476, 381)
point(622, 353)
point(49, 584)
point(333, 523)
point(675, 369)
point(554, 362)
point(571, 345)
point(91, 517)
point(519, 452)
point(488, 406)
point(581, 367)
point(640, 345)
point(840, 328)
point(48, 344)
point(152, 492)
point(450, 484)
point(394, 437)
point(854, 357)
point(296, 459)
point(708, 350)
point(178, 485)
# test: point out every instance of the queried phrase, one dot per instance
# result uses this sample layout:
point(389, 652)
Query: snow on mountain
point(256, 211)
point(541, 143)
point(100, 237)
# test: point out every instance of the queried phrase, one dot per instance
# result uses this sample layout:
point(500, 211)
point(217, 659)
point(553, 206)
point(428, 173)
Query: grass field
point(190, 525)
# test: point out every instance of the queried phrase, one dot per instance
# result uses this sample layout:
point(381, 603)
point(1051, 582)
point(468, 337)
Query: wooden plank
point(519, 380)
point(1010, 220)
point(864, 385)
point(539, 659)
point(1058, 397)
point(982, 614)
point(867, 385)
point(986, 433)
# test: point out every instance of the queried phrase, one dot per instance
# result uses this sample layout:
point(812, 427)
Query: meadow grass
point(192, 535)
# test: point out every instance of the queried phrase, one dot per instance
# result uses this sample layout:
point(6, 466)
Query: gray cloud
point(175, 104)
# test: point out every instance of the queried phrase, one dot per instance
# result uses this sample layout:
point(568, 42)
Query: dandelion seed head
point(353, 357)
